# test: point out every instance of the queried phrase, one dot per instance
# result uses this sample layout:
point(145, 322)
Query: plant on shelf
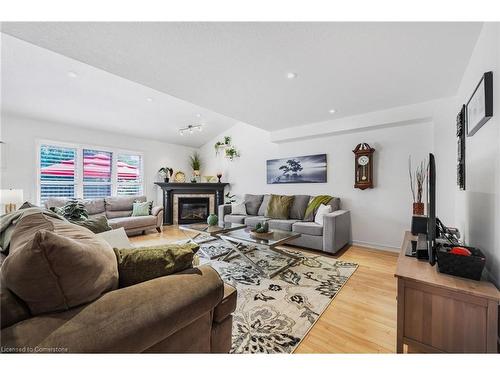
point(417, 180)
point(195, 163)
point(166, 173)
point(231, 153)
point(222, 144)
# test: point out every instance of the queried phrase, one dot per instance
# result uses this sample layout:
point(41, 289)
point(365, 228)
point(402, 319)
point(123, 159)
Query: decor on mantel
point(195, 163)
point(166, 173)
point(417, 180)
point(179, 177)
point(297, 170)
point(480, 104)
point(461, 148)
point(219, 176)
point(230, 151)
point(363, 166)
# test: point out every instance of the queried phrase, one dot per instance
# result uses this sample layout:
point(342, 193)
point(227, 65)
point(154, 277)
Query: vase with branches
point(417, 180)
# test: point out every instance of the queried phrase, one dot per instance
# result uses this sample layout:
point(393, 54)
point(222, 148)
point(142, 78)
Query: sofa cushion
point(142, 208)
point(282, 224)
point(279, 206)
point(320, 199)
point(131, 222)
point(123, 203)
point(252, 203)
point(228, 304)
point(238, 209)
point(263, 205)
point(310, 228)
point(13, 310)
point(136, 265)
point(252, 221)
point(62, 266)
point(236, 219)
point(299, 206)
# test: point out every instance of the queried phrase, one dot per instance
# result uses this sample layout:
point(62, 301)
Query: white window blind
point(87, 172)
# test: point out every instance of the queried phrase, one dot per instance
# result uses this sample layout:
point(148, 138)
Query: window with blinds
point(87, 172)
point(129, 176)
point(57, 172)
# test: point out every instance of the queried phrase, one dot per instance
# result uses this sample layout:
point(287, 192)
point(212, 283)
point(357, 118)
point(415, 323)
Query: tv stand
point(439, 313)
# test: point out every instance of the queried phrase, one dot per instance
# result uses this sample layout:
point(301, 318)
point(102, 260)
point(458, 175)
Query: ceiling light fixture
point(72, 75)
point(190, 129)
point(291, 75)
point(332, 111)
point(198, 115)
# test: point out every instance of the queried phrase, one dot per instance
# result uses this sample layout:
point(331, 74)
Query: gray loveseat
point(329, 237)
point(118, 211)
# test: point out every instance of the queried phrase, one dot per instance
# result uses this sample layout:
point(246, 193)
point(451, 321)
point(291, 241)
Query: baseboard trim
point(376, 246)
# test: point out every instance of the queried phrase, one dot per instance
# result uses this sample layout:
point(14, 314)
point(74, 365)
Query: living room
point(250, 187)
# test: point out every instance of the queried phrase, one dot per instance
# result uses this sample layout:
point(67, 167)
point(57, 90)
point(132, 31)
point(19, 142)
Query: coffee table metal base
point(236, 245)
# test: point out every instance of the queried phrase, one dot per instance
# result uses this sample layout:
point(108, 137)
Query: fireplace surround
point(173, 192)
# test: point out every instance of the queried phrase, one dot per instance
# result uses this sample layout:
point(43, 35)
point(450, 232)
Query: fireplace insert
point(193, 210)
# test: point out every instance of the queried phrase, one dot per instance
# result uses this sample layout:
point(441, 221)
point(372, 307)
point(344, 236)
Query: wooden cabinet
point(442, 313)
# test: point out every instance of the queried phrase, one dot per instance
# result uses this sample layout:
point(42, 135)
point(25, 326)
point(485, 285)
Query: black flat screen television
point(431, 210)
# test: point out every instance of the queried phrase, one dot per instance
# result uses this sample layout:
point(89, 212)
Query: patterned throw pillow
point(279, 206)
point(142, 208)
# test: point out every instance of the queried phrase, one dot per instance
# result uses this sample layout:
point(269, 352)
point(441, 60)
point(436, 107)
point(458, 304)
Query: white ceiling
point(238, 69)
point(35, 83)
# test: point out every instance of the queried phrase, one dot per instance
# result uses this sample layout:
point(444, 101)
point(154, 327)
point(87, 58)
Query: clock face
point(363, 160)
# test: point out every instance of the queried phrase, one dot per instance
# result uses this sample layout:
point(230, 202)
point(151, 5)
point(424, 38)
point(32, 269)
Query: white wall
point(379, 216)
point(478, 207)
point(18, 169)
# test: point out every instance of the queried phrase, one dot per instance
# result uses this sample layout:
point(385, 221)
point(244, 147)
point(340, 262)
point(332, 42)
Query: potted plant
point(222, 144)
point(417, 180)
point(166, 172)
point(195, 162)
point(232, 153)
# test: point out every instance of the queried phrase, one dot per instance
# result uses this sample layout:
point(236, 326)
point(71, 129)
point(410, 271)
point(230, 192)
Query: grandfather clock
point(363, 166)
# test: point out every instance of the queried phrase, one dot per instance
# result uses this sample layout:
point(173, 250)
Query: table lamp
point(10, 198)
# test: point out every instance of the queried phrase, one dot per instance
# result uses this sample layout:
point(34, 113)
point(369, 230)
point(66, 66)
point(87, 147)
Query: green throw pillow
point(97, 224)
point(314, 204)
point(140, 264)
point(142, 208)
point(279, 206)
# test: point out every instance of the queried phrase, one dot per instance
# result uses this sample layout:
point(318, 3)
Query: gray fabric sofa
point(118, 211)
point(330, 237)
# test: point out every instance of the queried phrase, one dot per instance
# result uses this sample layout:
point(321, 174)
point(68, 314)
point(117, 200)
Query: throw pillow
point(63, 265)
point(252, 203)
point(96, 224)
point(313, 205)
point(145, 263)
point(322, 211)
point(279, 206)
point(142, 208)
point(238, 209)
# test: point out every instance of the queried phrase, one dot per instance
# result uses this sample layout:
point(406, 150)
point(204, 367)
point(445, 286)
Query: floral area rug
point(274, 315)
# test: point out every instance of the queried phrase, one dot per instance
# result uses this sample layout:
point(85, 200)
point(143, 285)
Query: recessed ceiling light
point(198, 115)
point(149, 99)
point(291, 75)
point(332, 111)
point(72, 75)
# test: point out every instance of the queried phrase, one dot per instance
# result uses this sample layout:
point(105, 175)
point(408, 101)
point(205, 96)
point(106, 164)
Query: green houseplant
point(231, 153)
point(166, 172)
point(195, 163)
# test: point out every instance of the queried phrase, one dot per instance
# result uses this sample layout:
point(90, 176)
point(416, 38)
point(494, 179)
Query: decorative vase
point(418, 208)
point(212, 220)
point(196, 172)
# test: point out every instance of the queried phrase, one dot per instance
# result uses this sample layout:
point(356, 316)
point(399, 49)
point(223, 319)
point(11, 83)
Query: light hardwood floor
point(361, 318)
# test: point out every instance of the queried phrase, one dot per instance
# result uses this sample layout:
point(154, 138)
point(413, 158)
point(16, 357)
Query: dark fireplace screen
point(193, 210)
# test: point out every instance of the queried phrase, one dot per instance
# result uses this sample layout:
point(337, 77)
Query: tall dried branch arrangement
point(417, 179)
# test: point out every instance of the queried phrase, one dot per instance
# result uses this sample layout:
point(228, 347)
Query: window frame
point(78, 181)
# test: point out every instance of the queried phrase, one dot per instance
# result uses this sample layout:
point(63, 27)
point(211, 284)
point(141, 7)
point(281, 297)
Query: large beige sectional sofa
point(118, 211)
point(53, 300)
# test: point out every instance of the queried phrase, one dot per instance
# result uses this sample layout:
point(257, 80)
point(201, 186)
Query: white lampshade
point(11, 196)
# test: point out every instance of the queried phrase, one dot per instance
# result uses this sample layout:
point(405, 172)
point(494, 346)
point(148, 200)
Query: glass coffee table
point(237, 238)
point(213, 231)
